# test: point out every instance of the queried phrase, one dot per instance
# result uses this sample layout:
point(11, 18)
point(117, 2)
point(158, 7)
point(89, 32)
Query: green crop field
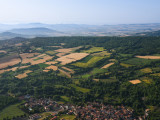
point(138, 61)
point(97, 71)
point(11, 111)
point(126, 65)
point(90, 63)
point(84, 90)
point(43, 65)
point(67, 117)
point(146, 70)
point(65, 98)
point(94, 49)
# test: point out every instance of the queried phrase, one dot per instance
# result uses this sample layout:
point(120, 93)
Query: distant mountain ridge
point(8, 35)
point(50, 30)
point(34, 31)
point(154, 33)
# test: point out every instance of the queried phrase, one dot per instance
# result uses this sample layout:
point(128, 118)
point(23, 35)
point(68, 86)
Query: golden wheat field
point(149, 57)
point(23, 75)
point(60, 54)
point(3, 51)
point(71, 58)
point(10, 63)
point(46, 70)
point(106, 66)
point(51, 62)
point(52, 67)
point(35, 60)
point(135, 81)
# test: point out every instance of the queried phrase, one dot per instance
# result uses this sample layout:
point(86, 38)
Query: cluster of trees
point(6, 100)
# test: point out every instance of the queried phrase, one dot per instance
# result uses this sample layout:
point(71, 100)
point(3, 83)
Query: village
point(91, 111)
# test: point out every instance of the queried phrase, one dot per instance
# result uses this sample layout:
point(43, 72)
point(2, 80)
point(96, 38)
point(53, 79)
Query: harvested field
point(36, 60)
point(71, 58)
point(108, 65)
point(18, 44)
point(23, 67)
point(51, 52)
point(2, 51)
point(39, 49)
point(10, 63)
point(20, 76)
point(97, 80)
point(52, 67)
point(149, 57)
point(46, 70)
point(60, 54)
point(2, 71)
point(55, 46)
point(68, 69)
point(11, 69)
point(28, 55)
point(65, 73)
point(51, 62)
point(67, 50)
point(135, 81)
point(64, 50)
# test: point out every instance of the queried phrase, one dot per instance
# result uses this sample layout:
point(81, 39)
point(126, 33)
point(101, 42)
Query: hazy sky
point(80, 11)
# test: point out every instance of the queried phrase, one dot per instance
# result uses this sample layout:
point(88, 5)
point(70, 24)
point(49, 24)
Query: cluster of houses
point(96, 111)
point(92, 111)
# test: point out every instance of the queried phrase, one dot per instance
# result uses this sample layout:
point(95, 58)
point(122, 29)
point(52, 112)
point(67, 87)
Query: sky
point(95, 12)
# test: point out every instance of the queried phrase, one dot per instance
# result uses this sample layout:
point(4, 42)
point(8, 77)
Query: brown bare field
point(2, 71)
point(60, 54)
point(64, 50)
point(23, 75)
point(68, 69)
point(9, 57)
point(10, 63)
point(67, 50)
point(18, 44)
point(149, 57)
point(65, 73)
point(45, 58)
point(46, 70)
point(55, 46)
point(135, 81)
point(63, 43)
point(106, 66)
point(35, 60)
point(51, 62)
point(3, 51)
point(11, 69)
point(24, 67)
point(97, 80)
point(28, 55)
point(52, 67)
point(71, 58)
